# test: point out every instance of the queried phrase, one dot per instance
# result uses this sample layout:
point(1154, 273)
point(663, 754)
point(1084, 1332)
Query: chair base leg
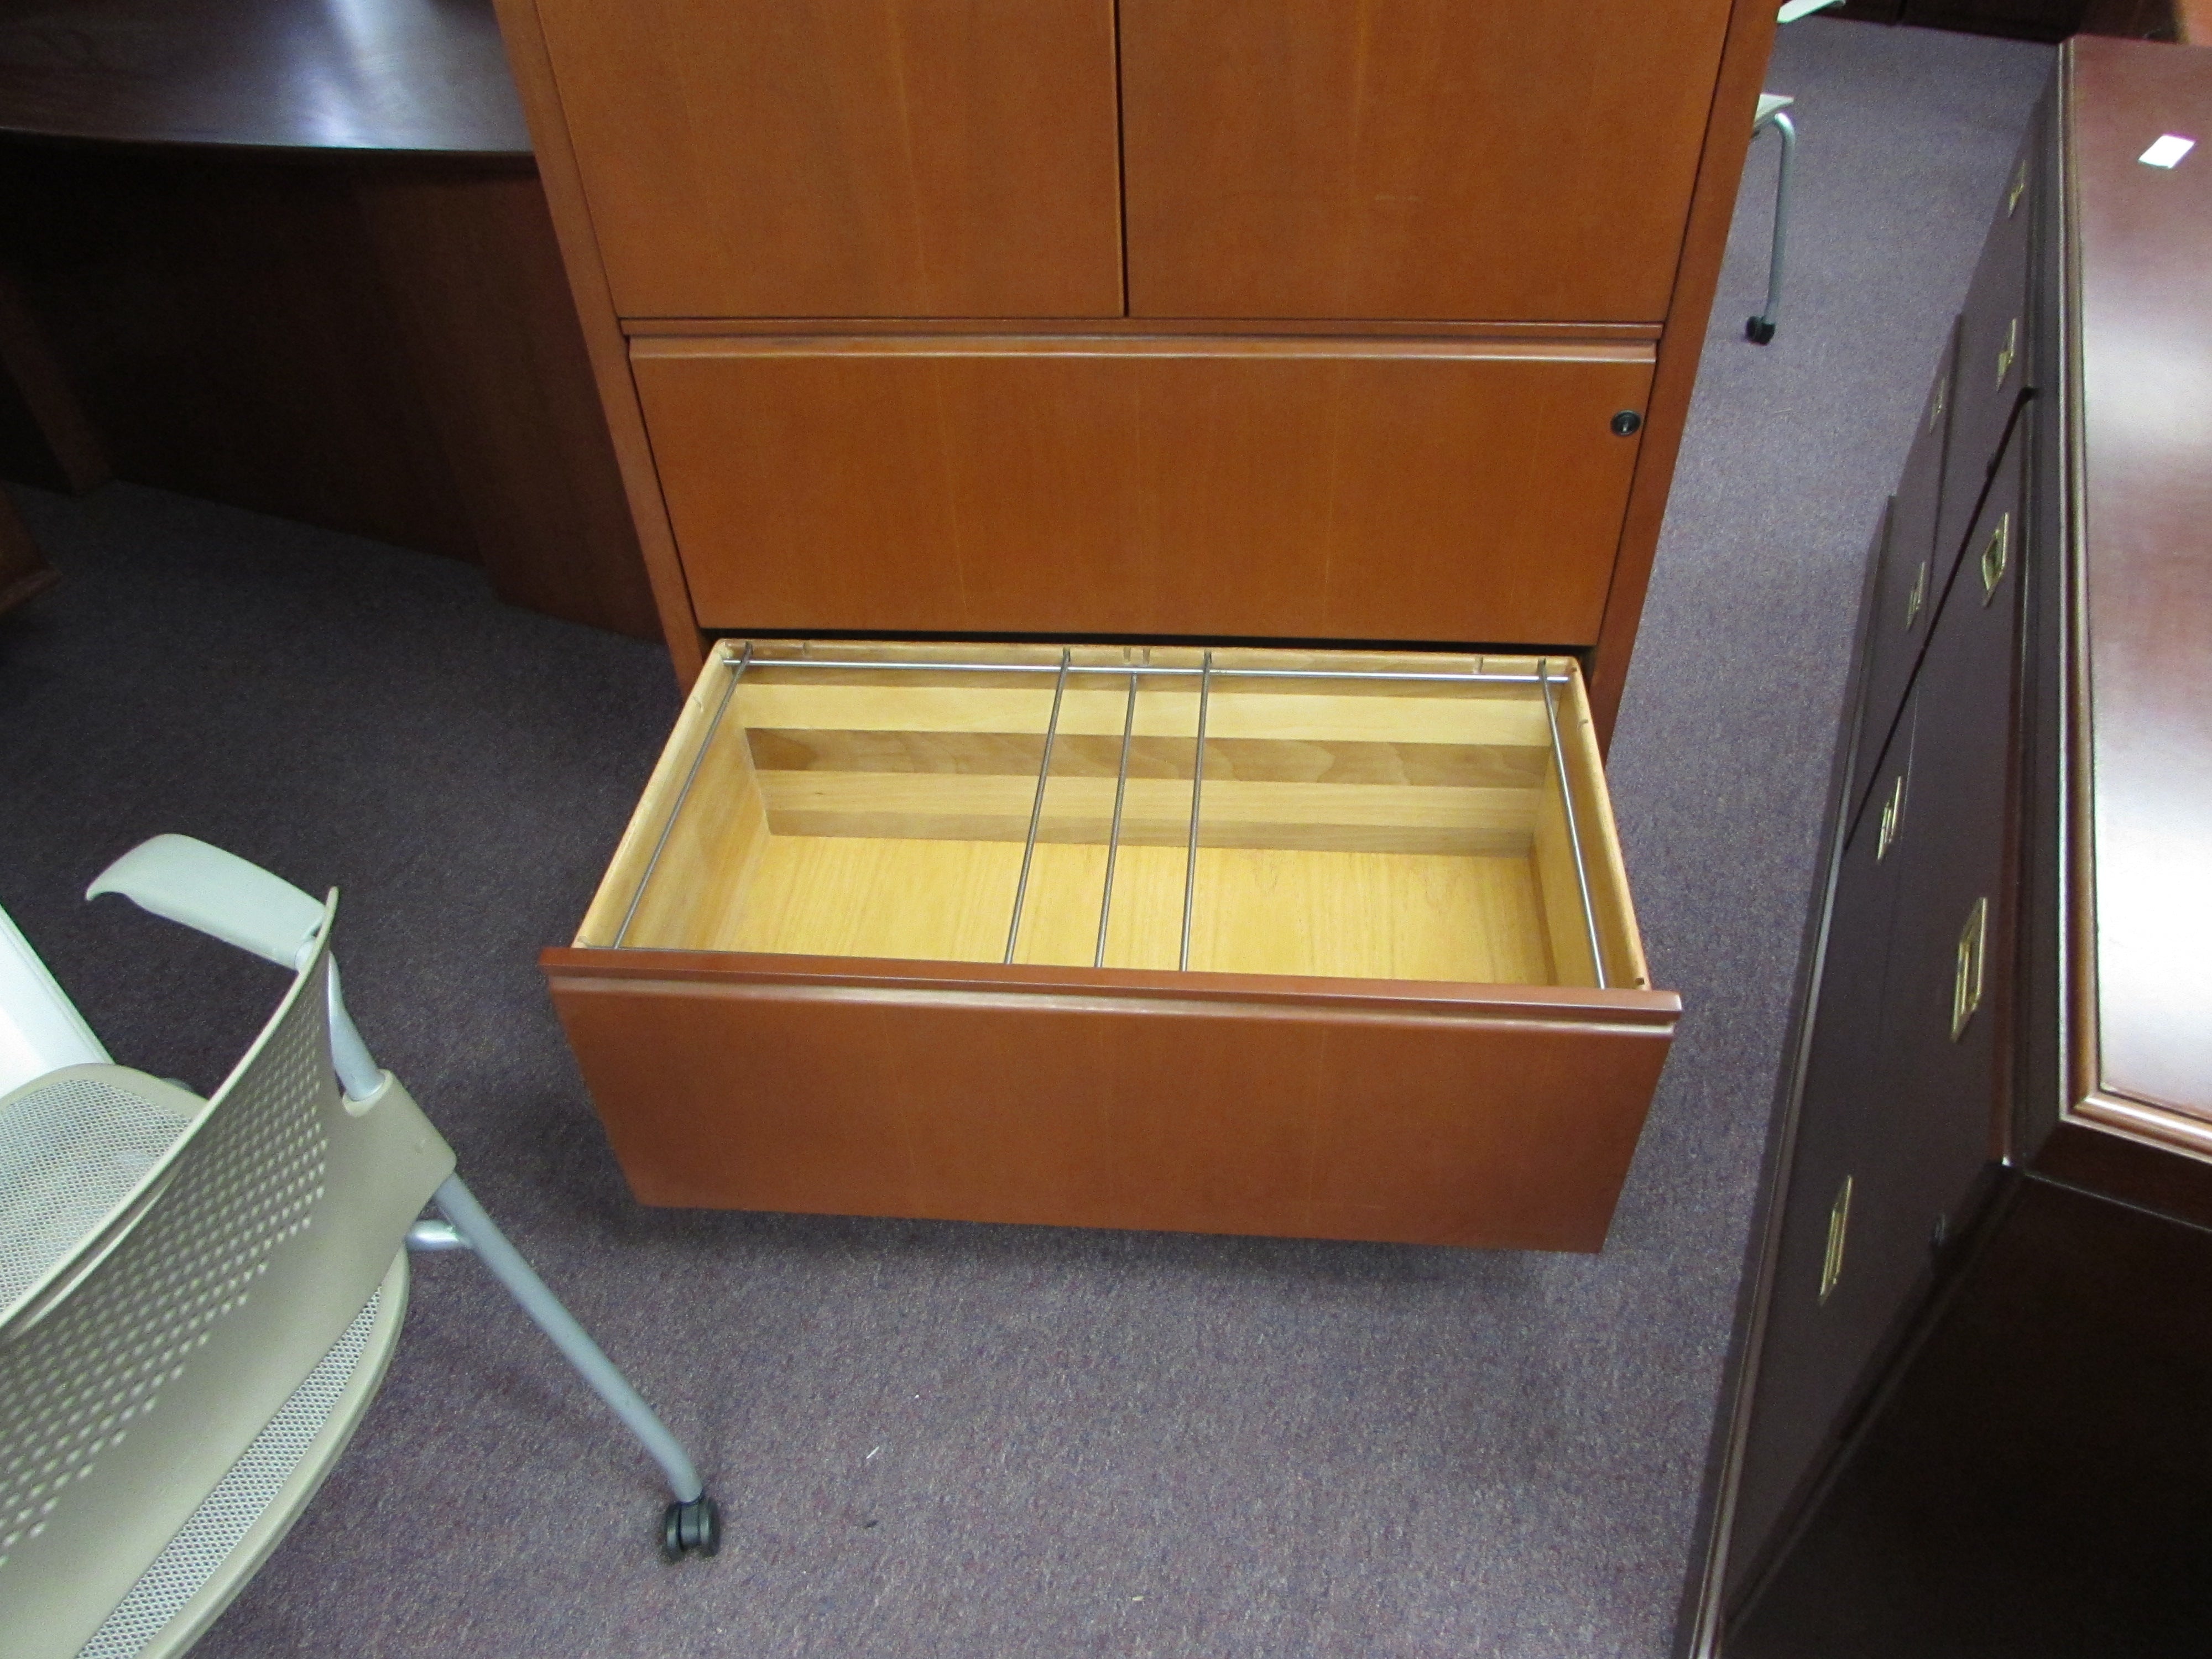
point(1760, 329)
point(691, 1525)
point(692, 1528)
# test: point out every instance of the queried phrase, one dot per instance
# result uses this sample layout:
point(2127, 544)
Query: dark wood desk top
point(2143, 899)
point(409, 75)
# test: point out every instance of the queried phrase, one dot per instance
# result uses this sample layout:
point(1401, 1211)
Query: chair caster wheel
point(692, 1528)
point(1758, 331)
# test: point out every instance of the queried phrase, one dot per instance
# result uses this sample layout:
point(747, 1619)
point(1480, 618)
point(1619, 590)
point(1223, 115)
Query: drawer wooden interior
point(1348, 816)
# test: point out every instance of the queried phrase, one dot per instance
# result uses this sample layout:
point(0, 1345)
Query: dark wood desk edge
point(412, 76)
point(514, 161)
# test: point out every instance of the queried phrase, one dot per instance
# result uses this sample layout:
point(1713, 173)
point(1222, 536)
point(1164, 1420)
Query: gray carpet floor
point(952, 1440)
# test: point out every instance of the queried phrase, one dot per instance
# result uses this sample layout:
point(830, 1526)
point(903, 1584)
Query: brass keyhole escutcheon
point(1966, 980)
point(1840, 1218)
point(2019, 188)
point(1917, 597)
point(1892, 817)
point(1996, 553)
point(2009, 353)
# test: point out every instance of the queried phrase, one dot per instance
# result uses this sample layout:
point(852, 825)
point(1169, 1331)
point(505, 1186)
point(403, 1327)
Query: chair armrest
point(216, 893)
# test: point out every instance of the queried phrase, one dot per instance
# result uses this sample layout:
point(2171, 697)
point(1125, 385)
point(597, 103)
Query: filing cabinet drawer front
point(1325, 943)
point(1996, 363)
point(1246, 487)
point(1896, 627)
point(1951, 969)
point(750, 1084)
point(1911, 575)
point(1839, 1283)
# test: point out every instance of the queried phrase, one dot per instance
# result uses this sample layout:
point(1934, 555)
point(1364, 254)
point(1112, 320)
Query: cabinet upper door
point(1510, 159)
point(817, 158)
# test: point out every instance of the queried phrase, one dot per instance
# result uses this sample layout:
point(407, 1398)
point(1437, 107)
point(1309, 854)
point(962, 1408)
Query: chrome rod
point(1574, 832)
point(1036, 808)
point(1470, 677)
point(1197, 784)
point(729, 690)
point(1114, 836)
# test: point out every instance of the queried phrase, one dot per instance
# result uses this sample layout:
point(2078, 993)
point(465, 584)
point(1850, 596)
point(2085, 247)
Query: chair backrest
point(40, 1029)
point(136, 1370)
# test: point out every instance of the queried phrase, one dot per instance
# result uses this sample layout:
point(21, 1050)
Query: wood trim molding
point(2161, 1126)
point(930, 343)
point(639, 328)
point(603, 336)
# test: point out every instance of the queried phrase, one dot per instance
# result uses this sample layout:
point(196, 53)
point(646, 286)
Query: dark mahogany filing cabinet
point(1975, 1350)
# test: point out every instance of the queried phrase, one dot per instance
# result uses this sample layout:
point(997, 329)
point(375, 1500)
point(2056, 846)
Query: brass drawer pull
point(1832, 1264)
point(1893, 815)
point(1996, 553)
point(1917, 597)
point(1966, 982)
point(2010, 354)
point(2019, 188)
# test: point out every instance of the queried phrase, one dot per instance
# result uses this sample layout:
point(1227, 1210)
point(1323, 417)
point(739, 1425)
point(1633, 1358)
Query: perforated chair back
point(211, 1280)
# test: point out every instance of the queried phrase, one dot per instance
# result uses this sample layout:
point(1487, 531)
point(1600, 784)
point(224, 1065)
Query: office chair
point(1773, 116)
point(198, 1299)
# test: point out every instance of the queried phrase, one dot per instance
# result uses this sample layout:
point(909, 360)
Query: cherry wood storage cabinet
point(1132, 319)
point(1968, 1409)
point(1324, 944)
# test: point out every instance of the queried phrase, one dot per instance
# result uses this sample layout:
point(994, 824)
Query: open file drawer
point(1309, 944)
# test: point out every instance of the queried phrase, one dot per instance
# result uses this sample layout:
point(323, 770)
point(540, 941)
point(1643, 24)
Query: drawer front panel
point(1837, 1287)
point(1996, 366)
point(1951, 964)
point(1414, 491)
point(1889, 638)
point(1350, 159)
point(1015, 1103)
point(808, 159)
point(1911, 575)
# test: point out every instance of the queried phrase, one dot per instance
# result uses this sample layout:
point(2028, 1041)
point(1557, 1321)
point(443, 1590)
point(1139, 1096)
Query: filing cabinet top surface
point(2139, 243)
